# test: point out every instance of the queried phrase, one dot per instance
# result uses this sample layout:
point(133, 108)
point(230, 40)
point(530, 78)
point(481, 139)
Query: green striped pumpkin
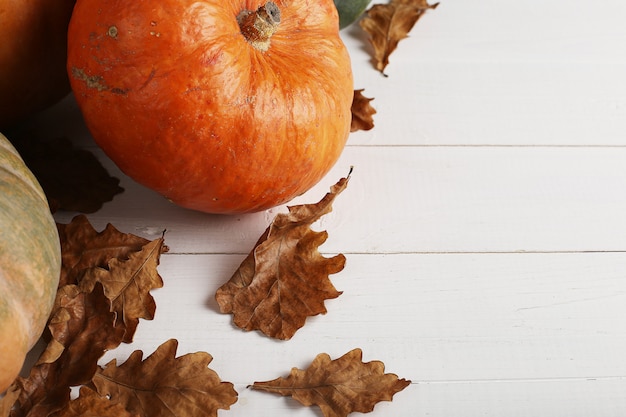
point(30, 262)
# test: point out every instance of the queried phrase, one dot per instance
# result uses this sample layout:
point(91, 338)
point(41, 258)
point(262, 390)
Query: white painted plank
point(577, 398)
point(563, 398)
point(499, 103)
point(501, 73)
point(413, 199)
point(428, 317)
point(495, 334)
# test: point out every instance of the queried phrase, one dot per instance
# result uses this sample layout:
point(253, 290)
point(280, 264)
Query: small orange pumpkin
point(222, 106)
point(30, 262)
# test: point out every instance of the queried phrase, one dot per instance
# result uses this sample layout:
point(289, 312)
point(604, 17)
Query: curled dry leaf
point(387, 24)
point(125, 265)
point(127, 284)
point(81, 321)
point(90, 403)
point(73, 179)
point(164, 385)
point(6, 402)
point(284, 279)
point(338, 387)
point(82, 247)
point(362, 112)
point(83, 325)
point(82, 328)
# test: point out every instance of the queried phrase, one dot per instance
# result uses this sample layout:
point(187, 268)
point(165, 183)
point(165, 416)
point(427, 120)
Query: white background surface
point(483, 225)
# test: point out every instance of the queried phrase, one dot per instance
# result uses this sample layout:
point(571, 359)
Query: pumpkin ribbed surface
point(30, 262)
point(184, 103)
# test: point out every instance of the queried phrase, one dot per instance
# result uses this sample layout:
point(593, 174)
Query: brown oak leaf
point(284, 279)
point(387, 24)
point(73, 179)
point(362, 112)
point(338, 387)
point(81, 326)
point(90, 403)
point(79, 315)
point(163, 385)
point(127, 284)
point(82, 247)
point(9, 399)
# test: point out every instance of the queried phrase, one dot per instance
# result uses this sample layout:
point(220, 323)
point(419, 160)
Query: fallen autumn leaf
point(164, 385)
point(362, 112)
point(338, 387)
point(387, 24)
point(284, 279)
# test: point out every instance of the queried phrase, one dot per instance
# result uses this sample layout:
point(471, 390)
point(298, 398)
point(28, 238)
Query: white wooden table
point(484, 225)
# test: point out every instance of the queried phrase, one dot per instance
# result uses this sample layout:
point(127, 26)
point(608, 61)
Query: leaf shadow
point(211, 303)
point(230, 264)
point(355, 32)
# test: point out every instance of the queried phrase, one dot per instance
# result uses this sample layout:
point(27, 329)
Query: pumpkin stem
point(259, 26)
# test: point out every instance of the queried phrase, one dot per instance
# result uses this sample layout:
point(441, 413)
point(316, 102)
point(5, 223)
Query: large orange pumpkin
point(33, 43)
point(222, 106)
point(30, 262)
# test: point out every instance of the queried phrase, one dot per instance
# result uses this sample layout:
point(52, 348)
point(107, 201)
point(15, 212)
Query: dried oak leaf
point(163, 385)
point(362, 112)
point(73, 179)
point(284, 279)
point(90, 403)
point(6, 402)
point(338, 387)
point(82, 325)
point(82, 329)
point(127, 284)
point(387, 24)
point(81, 316)
point(82, 247)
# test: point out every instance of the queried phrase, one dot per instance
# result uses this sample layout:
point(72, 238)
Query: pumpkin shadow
point(355, 32)
point(33, 356)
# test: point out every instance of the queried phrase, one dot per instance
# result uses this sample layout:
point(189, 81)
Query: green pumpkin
point(30, 262)
point(350, 10)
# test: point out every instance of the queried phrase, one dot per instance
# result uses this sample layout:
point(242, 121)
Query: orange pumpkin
point(222, 106)
point(33, 43)
point(30, 262)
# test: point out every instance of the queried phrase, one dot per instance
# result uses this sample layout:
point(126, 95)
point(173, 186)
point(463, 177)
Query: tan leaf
point(127, 284)
point(83, 247)
point(81, 326)
point(362, 112)
point(387, 24)
point(81, 316)
point(284, 279)
point(338, 387)
point(89, 403)
point(10, 397)
point(163, 385)
point(66, 321)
